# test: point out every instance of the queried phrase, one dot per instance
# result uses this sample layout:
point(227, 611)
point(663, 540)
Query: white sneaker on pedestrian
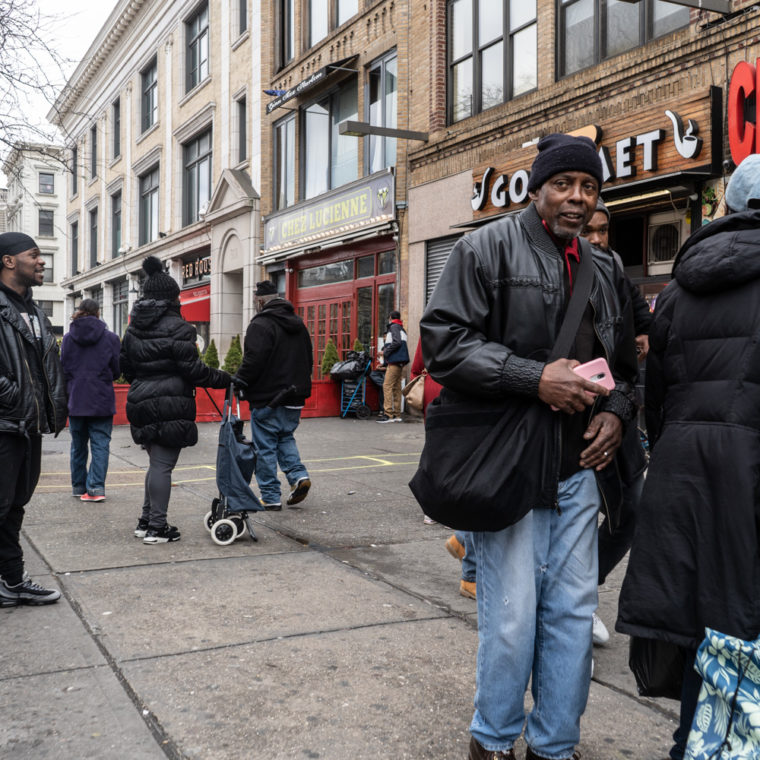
point(599, 632)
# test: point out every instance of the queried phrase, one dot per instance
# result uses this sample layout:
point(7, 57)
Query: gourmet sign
point(653, 142)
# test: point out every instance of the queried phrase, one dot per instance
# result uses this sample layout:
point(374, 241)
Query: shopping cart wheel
point(208, 521)
point(363, 412)
point(239, 524)
point(224, 532)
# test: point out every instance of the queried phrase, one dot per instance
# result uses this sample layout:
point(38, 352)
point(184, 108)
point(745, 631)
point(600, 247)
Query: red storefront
point(195, 297)
point(337, 257)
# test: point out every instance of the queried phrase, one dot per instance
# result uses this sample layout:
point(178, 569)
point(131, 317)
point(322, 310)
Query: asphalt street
point(339, 635)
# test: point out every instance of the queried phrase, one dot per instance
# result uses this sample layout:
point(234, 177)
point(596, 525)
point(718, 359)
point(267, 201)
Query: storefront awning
point(195, 304)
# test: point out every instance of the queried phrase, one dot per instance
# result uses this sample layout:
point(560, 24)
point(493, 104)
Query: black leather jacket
point(30, 404)
point(496, 312)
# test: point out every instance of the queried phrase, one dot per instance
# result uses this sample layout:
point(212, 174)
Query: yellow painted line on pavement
point(368, 462)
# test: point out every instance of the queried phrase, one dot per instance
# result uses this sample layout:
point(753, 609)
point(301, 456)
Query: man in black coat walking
point(276, 377)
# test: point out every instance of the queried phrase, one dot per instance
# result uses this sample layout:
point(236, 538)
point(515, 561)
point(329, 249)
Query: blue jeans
point(97, 432)
point(272, 432)
point(468, 561)
point(537, 592)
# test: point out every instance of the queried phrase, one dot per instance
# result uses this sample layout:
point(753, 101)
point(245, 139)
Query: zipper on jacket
point(47, 388)
point(22, 351)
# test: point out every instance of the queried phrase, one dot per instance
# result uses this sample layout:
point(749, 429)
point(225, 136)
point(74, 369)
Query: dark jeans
point(95, 433)
point(158, 484)
point(692, 683)
point(20, 459)
point(613, 546)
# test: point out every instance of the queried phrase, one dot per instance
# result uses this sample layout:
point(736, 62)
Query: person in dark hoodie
point(90, 358)
point(32, 402)
point(159, 359)
point(695, 559)
point(276, 373)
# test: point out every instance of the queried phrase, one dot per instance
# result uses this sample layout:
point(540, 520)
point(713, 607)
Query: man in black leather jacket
point(32, 402)
point(486, 332)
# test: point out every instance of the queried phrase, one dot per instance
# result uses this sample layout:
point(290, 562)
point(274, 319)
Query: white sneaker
point(600, 634)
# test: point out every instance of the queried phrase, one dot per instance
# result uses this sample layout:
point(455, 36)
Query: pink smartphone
point(598, 371)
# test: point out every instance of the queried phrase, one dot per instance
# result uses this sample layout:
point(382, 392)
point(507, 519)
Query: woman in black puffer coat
point(695, 560)
point(160, 360)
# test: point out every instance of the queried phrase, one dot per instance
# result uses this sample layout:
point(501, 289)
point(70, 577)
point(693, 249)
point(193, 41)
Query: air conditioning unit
point(666, 232)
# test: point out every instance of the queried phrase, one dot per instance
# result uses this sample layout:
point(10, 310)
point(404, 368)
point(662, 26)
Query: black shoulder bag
point(486, 463)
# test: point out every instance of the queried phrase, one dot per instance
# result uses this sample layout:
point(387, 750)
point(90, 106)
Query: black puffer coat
point(695, 560)
point(160, 360)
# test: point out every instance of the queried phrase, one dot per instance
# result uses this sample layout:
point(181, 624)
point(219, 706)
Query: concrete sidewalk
point(339, 635)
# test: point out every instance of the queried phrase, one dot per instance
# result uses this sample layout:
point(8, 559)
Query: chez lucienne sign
point(654, 142)
point(359, 206)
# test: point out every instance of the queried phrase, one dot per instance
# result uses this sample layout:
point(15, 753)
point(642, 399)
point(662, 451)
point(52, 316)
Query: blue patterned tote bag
point(726, 723)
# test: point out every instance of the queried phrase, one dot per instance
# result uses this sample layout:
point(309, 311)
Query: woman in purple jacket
point(90, 358)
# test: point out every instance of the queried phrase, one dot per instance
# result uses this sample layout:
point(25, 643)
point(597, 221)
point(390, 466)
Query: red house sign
point(743, 133)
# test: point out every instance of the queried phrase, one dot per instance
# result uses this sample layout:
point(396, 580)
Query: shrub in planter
point(329, 357)
point(234, 357)
point(211, 357)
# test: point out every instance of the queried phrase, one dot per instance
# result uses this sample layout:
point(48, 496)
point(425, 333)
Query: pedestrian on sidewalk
point(490, 324)
point(395, 358)
point(276, 374)
point(90, 359)
point(695, 558)
point(32, 402)
point(615, 541)
point(159, 358)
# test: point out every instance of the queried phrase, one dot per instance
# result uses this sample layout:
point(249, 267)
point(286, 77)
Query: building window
point(148, 207)
point(47, 306)
point(47, 183)
point(74, 248)
point(325, 15)
point(48, 274)
point(382, 112)
point(287, 31)
point(285, 163)
point(321, 139)
point(74, 170)
point(242, 135)
point(46, 227)
point(197, 177)
point(242, 15)
point(93, 237)
point(196, 34)
point(493, 53)
point(116, 126)
point(94, 151)
point(591, 31)
point(115, 224)
point(149, 87)
point(120, 292)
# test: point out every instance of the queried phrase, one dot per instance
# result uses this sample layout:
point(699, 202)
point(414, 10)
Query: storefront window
point(493, 53)
point(386, 303)
point(386, 262)
point(340, 271)
point(364, 316)
point(365, 266)
point(594, 30)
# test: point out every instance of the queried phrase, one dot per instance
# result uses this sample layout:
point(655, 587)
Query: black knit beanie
point(265, 288)
point(13, 243)
point(564, 153)
point(159, 285)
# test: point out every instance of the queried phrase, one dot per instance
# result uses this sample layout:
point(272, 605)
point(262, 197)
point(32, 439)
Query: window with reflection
point(287, 31)
point(382, 107)
point(321, 139)
point(196, 188)
point(493, 53)
point(148, 213)
point(326, 15)
point(285, 162)
point(149, 95)
point(591, 31)
point(196, 34)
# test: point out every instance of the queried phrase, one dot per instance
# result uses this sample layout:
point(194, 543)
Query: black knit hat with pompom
point(159, 285)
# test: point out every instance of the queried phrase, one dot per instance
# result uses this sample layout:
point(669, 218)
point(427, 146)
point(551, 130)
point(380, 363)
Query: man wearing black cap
point(486, 333)
point(276, 374)
point(32, 402)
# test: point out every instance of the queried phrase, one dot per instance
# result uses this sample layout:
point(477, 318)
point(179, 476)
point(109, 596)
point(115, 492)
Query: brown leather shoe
point(531, 755)
point(478, 752)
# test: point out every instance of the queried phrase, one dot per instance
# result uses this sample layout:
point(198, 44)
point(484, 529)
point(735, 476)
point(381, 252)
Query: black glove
point(240, 386)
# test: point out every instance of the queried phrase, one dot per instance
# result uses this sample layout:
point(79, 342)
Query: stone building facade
point(161, 128)
point(35, 203)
